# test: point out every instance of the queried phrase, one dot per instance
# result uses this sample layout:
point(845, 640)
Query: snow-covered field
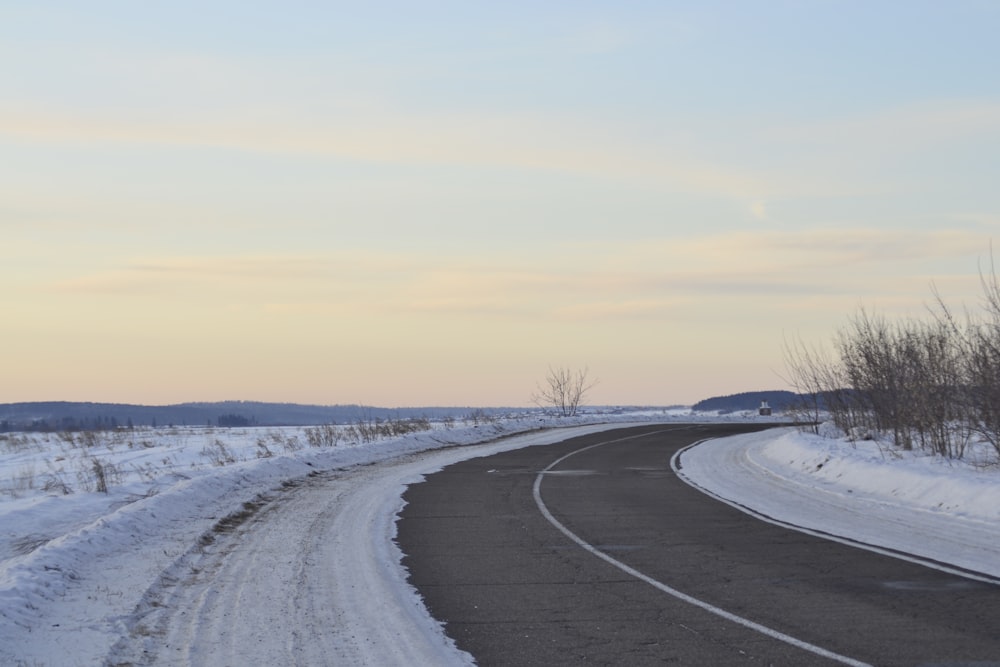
point(88, 577)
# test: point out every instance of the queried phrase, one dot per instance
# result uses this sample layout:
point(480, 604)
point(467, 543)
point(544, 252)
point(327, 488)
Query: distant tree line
point(97, 423)
point(779, 400)
point(67, 415)
point(931, 384)
point(231, 420)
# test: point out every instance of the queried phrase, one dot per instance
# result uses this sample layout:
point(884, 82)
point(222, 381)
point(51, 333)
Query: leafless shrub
point(367, 430)
point(290, 443)
point(16, 442)
point(263, 452)
point(148, 471)
point(372, 429)
point(931, 384)
point(907, 381)
point(90, 439)
point(324, 435)
point(218, 453)
point(28, 543)
point(351, 435)
point(98, 475)
point(812, 374)
point(564, 389)
point(397, 427)
point(984, 386)
point(480, 416)
point(982, 363)
point(55, 483)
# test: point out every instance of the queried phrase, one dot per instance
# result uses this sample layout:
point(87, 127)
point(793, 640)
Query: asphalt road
point(607, 558)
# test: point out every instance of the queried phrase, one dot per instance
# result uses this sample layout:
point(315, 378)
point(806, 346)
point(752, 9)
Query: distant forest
point(778, 400)
point(71, 416)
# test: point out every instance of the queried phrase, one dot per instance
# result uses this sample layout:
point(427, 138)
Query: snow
point(125, 576)
point(938, 510)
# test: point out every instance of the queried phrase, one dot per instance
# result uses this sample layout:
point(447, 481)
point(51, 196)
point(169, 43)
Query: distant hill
point(779, 400)
point(64, 415)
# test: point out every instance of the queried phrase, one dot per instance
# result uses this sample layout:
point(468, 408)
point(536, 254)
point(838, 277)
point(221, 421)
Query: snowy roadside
point(908, 502)
point(80, 572)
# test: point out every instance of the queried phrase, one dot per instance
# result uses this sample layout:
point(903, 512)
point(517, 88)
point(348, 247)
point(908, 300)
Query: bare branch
point(564, 389)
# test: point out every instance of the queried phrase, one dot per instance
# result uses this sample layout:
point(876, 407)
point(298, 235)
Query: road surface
point(591, 551)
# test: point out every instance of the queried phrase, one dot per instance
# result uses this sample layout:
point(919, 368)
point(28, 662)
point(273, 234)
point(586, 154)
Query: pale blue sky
point(429, 203)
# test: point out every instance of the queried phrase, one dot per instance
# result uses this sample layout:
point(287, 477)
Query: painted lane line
point(712, 609)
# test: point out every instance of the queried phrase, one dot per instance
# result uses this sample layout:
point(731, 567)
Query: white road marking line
point(747, 623)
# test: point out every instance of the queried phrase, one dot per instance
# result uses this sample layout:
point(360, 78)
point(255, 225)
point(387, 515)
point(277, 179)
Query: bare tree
point(870, 352)
point(814, 377)
point(983, 362)
point(928, 384)
point(564, 390)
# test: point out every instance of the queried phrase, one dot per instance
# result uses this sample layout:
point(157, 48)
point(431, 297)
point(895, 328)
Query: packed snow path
point(301, 580)
point(309, 576)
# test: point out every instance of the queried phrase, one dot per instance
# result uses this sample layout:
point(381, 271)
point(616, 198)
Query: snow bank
point(867, 469)
point(942, 512)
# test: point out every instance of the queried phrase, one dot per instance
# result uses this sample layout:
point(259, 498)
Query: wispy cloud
point(249, 275)
point(623, 309)
point(625, 279)
point(826, 158)
point(901, 127)
point(768, 248)
point(523, 141)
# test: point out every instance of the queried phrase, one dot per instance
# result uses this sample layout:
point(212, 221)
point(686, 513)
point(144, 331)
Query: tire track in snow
point(310, 577)
point(305, 580)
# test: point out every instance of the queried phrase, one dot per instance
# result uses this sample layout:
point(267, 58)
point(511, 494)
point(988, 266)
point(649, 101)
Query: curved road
point(592, 551)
